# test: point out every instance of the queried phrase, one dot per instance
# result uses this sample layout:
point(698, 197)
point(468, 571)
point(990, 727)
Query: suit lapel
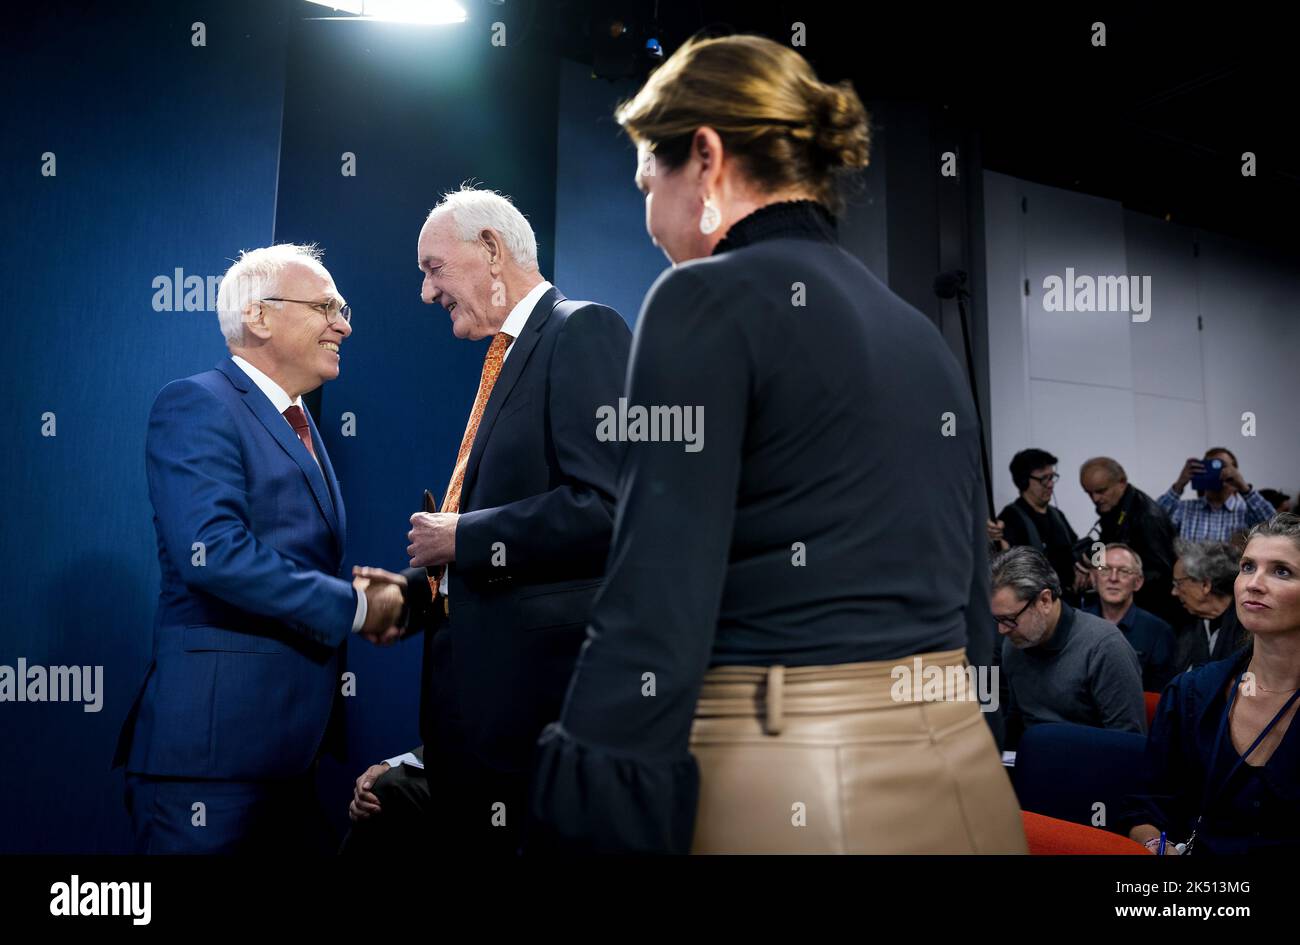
point(520, 351)
point(283, 434)
point(331, 480)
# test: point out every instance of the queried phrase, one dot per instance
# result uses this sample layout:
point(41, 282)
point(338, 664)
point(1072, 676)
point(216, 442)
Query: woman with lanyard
point(1223, 760)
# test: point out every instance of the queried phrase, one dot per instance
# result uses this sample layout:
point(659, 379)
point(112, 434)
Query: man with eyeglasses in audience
point(1031, 520)
point(1059, 664)
point(1127, 514)
point(1117, 581)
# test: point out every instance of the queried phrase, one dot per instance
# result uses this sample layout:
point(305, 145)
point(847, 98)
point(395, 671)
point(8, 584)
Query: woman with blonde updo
point(799, 541)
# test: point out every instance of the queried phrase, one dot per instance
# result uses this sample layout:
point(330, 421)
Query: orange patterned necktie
point(496, 356)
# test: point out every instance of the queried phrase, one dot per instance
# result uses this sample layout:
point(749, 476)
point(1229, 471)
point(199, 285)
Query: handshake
point(385, 600)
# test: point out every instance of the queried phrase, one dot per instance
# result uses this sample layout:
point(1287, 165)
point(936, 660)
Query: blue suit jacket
point(252, 612)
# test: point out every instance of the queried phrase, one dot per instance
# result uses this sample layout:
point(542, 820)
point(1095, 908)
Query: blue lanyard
point(1210, 791)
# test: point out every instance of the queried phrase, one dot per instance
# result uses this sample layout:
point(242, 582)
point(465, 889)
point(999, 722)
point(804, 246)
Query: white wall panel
point(1169, 430)
point(1167, 348)
point(1077, 422)
point(1065, 230)
point(1250, 302)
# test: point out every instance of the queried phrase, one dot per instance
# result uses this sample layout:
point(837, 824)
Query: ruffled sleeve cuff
point(588, 800)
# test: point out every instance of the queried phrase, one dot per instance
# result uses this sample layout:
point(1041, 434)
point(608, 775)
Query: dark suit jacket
point(1191, 649)
point(1139, 523)
point(536, 515)
point(248, 638)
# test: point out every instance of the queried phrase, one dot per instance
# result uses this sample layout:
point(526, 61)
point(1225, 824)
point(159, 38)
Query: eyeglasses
point(1178, 581)
point(1010, 621)
point(332, 310)
point(1108, 569)
point(1048, 480)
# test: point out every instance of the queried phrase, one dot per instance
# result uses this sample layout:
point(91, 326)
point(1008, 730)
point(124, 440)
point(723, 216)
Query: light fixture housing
point(422, 12)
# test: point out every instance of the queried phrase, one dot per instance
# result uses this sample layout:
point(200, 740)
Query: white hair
point(254, 276)
point(474, 211)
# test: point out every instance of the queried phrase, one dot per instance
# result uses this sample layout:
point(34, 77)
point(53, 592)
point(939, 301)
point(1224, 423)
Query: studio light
point(427, 12)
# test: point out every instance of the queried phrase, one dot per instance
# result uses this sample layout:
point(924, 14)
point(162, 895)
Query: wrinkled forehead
point(437, 237)
point(1005, 601)
point(1119, 556)
point(1096, 480)
point(306, 280)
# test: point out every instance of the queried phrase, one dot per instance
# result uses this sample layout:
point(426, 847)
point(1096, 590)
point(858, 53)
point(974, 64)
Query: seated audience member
point(1279, 500)
point(1151, 638)
point(1059, 664)
point(390, 807)
point(1127, 514)
point(1203, 580)
point(1216, 514)
point(1223, 758)
point(1033, 521)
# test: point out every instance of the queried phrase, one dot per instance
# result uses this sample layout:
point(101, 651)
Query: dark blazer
point(1191, 649)
point(247, 643)
point(1258, 811)
point(1144, 526)
point(536, 514)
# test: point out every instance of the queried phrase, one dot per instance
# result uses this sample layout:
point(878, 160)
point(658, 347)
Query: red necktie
point(298, 420)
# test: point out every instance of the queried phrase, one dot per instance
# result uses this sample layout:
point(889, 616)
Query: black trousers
point(403, 822)
point(476, 810)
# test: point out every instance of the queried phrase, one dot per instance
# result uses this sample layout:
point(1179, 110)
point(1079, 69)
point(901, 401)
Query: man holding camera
point(1226, 503)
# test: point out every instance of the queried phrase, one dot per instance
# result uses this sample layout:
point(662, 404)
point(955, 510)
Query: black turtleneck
point(794, 219)
point(829, 510)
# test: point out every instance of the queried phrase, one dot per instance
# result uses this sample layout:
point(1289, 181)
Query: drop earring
point(711, 218)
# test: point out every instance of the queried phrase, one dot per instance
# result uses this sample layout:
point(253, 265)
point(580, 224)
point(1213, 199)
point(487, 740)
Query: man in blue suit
point(243, 689)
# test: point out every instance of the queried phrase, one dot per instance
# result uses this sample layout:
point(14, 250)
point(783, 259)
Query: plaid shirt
point(1197, 521)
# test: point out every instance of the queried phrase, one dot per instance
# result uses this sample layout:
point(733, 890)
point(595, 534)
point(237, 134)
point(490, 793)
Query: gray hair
point(1215, 562)
point(254, 276)
point(474, 211)
point(1120, 546)
point(1112, 468)
point(1026, 571)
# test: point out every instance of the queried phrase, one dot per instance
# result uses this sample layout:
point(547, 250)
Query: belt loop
point(774, 716)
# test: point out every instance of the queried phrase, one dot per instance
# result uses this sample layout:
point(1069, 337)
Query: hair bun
point(842, 133)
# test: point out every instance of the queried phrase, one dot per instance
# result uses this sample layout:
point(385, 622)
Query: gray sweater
point(1087, 673)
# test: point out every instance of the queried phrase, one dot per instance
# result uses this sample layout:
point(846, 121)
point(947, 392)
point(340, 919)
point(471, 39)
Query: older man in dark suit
point(517, 550)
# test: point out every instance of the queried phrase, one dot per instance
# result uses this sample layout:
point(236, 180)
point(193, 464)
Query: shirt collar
point(273, 391)
point(1124, 623)
point(518, 317)
point(1234, 503)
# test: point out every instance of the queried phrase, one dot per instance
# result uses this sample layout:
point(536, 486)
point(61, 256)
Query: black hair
point(1025, 462)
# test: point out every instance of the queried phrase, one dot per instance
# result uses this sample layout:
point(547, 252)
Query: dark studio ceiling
point(1157, 119)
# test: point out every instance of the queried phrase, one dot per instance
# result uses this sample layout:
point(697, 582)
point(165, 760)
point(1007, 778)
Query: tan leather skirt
point(824, 759)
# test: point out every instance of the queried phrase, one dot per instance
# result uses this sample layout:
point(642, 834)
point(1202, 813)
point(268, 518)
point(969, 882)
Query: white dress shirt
point(281, 402)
